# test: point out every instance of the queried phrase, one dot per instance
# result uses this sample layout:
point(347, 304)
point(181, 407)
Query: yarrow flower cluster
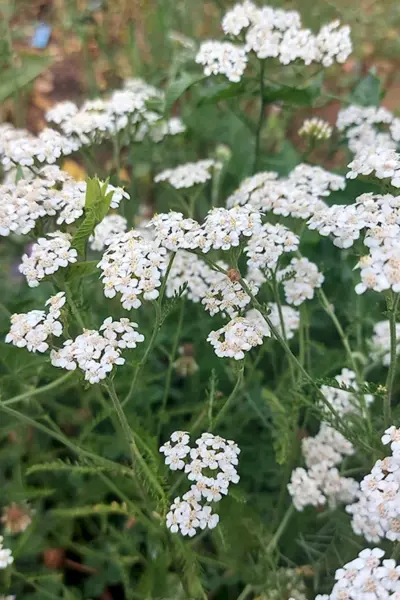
point(299, 279)
point(211, 465)
point(368, 127)
point(124, 113)
point(321, 481)
point(267, 245)
point(96, 352)
point(344, 401)
point(298, 195)
point(47, 256)
point(110, 227)
point(376, 515)
point(237, 337)
point(6, 557)
point(133, 267)
point(316, 128)
point(222, 58)
point(367, 577)
point(272, 33)
point(222, 229)
point(31, 330)
point(290, 317)
point(53, 193)
point(379, 344)
point(189, 174)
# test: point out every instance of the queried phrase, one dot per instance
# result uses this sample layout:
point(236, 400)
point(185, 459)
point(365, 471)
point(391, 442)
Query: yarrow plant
point(198, 274)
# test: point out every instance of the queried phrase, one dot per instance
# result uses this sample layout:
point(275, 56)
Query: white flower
point(344, 401)
point(213, 453)
point(236, 338)
point(222, 58)
point(291, 320)
point(188, 175)
point(110, 227)
point(133, 267)
point(47, 256)
point(6, 557)
point(96, 352)
point(299, 279)
point(267, 245)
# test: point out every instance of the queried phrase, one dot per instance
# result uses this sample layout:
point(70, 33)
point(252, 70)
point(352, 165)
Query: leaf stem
point(36, 391)
point(392, 306)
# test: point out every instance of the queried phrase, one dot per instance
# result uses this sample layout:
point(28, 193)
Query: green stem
point(230, 398)
point(171, 364)
point(41, 390)
point(150, 345)
point(246, 592)
point(345, 341)
point(73, 307)
point(260, 118)
point(129, 436)
point(392, 305)
point(281, 529)
point(281, 320)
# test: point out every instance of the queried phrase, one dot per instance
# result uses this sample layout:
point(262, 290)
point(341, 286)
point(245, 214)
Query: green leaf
point(300, 96)
point(16, 78)
point(179, 86)
point(97, 205)
point(222, 91)
point(82, 269)
point(368, 92)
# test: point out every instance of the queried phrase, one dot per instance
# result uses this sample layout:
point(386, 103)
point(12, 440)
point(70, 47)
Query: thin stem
point(260, 117)
point(246, 592)
point(130, 439)
point(392, 305)
point(281, 319)
point(171, 364)
point(35, 392)
point(73, 307)
point(281, 529)
point(150, 345)
point(230, 398)
point(345, 341)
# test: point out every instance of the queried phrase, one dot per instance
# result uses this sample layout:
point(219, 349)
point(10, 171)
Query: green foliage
point(19, 76)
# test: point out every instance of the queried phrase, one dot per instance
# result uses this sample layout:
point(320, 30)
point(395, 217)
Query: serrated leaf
point(16, 78)
point(179, 86)
point(83, 233)
point(93, 193)
point(368, 92)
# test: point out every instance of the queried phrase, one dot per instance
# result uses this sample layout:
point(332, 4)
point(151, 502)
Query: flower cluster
point(124, 112)
point(237, 337)
point(222, 58)
point(189, 174)
point(364, 127)
point(383, 162)
point(31, 330)
point(110, 227)
point(6, 557)
point(52, 193)
point(212, 468)
point(321, 480)
point(133, 267)
point(379, 344)
point(366, 577)
point(316, 128)
point(298, 195)
point(47, 256)
point(299, 279)
point(376, 515)
point(290, 318)
point(96, 352)
point(266, 246)
point(342, 400)
point(222, 229)
point(288, 582)
point(273, 33)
